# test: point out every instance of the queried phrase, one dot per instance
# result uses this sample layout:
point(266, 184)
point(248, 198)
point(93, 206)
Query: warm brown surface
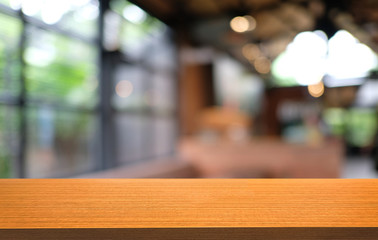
point(263, 158)
point(311, 207)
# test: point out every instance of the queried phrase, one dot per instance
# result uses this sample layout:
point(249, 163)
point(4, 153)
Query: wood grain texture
point(165, 208)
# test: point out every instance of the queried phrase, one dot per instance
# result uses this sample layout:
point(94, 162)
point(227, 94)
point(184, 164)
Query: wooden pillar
point(196, 91)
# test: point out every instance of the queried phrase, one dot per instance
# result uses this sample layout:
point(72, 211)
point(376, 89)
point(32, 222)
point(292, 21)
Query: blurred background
point(188, 88)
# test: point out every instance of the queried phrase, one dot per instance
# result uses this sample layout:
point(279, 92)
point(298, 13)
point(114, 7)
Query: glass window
point(160, 95)
point(60, 143)
point(137, 38)
point(9, 55)
point(58, 114)
point(60, 69)
point(129, 87)
point(165, 136)
point(144, 87)
point(136, 30)
point(161, 53)
point(9, 140)
point(148, 136)
point(143, 137)
point(78, 16)
point(128, 138)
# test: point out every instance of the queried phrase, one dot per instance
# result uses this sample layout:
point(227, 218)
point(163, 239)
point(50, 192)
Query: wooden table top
point(188, 203)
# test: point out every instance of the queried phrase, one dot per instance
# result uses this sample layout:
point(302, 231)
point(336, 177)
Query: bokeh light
point(124, 88)
point(134, 14)
point(348, 58)
point(341, 60)
point(251, 51)
point(316, 90)
point(242, 24)
point(262, 65)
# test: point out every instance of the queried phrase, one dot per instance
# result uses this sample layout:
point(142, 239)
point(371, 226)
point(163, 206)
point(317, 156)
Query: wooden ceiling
point(278, 21)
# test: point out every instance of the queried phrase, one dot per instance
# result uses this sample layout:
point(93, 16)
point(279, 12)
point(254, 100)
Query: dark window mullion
point(106, 61)
point(21, 161)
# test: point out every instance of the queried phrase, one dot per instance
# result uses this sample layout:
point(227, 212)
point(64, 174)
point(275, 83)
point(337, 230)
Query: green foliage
point(9, 55)
point(5, 169)
point(358, 126)
point(10, 29)
point(361, 126)
point(57, 67)
point(56, 80)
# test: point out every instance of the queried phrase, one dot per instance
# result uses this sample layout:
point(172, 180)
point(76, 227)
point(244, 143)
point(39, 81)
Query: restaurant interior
point(188, 89)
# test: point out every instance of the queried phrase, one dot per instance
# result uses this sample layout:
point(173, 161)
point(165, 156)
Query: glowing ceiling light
point(243, 24)
point(316, 90)
point(348, 58)
point(31, 8)
point(15, 4)
point(304, 59)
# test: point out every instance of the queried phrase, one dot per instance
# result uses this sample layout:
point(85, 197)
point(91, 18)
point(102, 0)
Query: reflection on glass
point(9, 55)
point(60, 143)
point(60, 69)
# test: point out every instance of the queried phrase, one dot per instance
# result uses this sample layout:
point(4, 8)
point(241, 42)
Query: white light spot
point(134, 14)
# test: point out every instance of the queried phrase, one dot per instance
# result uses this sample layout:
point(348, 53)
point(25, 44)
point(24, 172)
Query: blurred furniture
point(224, 123)
point(181, 209)
point(223, 148)
point(256, 158)
point(160, 168)
point(261, 158)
